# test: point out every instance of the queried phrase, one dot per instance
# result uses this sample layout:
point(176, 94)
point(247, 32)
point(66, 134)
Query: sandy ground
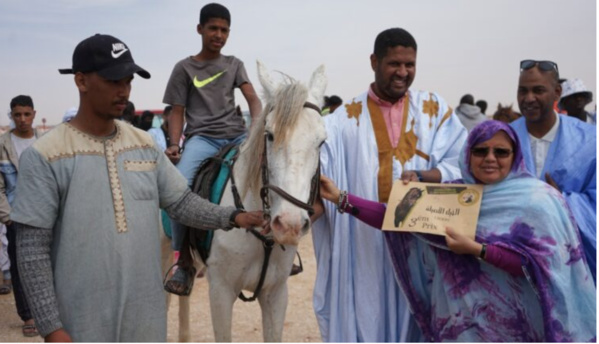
point(300, 322)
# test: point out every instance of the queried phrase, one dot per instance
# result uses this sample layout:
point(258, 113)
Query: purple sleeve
point(370, 212)
point(504, 259)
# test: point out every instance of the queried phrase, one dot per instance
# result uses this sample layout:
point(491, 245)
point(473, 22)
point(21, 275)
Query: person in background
point(575, 96)
point(482, 105)
point(469, 114)
point(87, 203)
point(388, 132)
point(146, 120)
point(12, 144)
point(556, 106)
point(160, 134)
point(6, 286)
point(129, 113)
point(69, 114)
point(331, 104)
point(522, 279)
point(201, 92)
point(558, 149)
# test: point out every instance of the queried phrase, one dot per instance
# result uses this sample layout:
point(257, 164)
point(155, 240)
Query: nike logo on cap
point(201, 83)
point(115, 50)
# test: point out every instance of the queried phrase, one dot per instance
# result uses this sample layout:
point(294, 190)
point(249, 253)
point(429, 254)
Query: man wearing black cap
point(87, 204)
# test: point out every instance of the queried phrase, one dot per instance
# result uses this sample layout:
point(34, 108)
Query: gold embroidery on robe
point(431, 108)
point(406, 148)
point(423, 155)
point(445, 118)
point(407, 143)
point(354, 110)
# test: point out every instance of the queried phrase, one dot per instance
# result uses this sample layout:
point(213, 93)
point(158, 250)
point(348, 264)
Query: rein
point(267, 241)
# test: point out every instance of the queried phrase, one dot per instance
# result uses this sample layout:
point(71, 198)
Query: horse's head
point(505, 114)
point(287, 139)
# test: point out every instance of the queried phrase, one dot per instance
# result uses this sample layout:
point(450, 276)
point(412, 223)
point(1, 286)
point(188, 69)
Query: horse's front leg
point(222, 297)
point(167, 262)
point(166, 259)
point(274, 306)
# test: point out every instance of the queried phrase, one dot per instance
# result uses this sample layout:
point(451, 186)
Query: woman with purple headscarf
point(523, 279)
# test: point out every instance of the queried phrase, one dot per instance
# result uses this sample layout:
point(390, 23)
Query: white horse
point(289, 133)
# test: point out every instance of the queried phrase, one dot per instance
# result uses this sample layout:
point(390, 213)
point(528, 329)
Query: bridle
point(267, 240)
point(266, 186)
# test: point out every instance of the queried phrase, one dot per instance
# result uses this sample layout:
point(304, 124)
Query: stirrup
point(296, 269)
point(184, 277)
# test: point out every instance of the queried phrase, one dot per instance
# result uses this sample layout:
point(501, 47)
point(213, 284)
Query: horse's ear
point(499, 106)
point(266, 81)
point(318, 84)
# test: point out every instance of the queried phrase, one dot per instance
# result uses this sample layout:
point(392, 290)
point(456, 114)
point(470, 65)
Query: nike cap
point(106, 55)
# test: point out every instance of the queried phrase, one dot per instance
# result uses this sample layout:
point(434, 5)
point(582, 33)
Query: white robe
point(356, 297)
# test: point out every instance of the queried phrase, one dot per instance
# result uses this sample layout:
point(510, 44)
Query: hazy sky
point(464, 46)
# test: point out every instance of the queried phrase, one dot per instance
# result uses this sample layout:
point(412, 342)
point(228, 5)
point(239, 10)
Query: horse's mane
point(286, 107)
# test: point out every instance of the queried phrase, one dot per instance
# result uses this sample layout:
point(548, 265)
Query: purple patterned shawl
point(460, 298)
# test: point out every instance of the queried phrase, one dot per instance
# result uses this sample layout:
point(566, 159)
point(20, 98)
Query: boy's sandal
point(5, 289)
point(30, 331)
point(181, 283)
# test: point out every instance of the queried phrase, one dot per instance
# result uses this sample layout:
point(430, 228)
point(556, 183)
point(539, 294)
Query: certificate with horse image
point(431, 207)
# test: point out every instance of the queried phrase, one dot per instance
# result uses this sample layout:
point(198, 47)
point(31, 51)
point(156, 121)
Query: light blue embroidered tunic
point(101, 197)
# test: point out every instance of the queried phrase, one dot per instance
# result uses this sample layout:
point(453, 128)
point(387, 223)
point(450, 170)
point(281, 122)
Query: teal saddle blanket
point(210, 183)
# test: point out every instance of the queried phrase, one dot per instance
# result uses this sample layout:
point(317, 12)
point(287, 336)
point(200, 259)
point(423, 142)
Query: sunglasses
point(545, 66)
point(482, 152)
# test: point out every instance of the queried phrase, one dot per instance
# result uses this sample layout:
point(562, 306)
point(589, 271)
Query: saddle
point(209, 183)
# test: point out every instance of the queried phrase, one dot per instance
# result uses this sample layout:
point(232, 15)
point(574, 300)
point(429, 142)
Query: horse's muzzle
point(289, 228)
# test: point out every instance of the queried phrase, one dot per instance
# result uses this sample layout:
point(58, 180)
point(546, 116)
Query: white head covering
point(574, 86)
point(69, 114)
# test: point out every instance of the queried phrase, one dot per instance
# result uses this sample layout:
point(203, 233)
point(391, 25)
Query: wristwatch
point(232, 223)
point(175, 144)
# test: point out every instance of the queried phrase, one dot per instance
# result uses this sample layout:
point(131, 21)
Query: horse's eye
point(270, 137)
